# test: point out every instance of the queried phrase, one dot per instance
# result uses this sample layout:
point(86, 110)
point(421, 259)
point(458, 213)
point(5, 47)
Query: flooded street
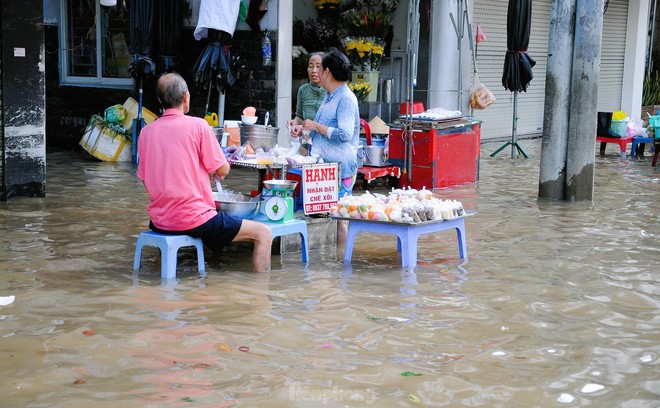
point(557, 306)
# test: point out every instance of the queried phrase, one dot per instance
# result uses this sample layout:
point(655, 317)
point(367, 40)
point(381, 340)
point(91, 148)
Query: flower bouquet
point(300, 61)
point(360, 89)
point(365, 53)
point(366, 22)
point(315, 35)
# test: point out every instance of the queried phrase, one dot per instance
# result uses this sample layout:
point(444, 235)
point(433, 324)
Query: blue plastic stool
point(407, 235)
point(278, 229)
point(169, 247)
point(637, 140)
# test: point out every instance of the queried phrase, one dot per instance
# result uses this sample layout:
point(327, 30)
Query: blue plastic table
point(407, 235)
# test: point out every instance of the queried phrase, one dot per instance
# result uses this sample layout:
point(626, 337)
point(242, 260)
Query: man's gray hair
point(170, 90)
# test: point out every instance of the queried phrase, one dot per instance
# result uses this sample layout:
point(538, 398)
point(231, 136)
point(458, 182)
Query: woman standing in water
point(336, 127)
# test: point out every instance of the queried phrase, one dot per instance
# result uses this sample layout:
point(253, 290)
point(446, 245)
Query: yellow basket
point(619, 115)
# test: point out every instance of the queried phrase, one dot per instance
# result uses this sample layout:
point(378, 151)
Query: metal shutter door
point(612, 56)
point(498, 118)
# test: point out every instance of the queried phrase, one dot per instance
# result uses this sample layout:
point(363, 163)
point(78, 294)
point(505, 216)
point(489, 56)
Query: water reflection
point(557, 305)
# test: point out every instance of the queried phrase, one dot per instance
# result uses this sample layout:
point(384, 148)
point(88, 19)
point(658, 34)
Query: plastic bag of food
point(115, 114)
point(480, 97)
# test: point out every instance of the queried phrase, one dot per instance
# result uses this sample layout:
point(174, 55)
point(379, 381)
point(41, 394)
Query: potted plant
point(360, 89)
point(651, 95)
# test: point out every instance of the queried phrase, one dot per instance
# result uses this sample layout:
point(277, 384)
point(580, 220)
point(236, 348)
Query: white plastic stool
point(291, 227)
point(169, 247)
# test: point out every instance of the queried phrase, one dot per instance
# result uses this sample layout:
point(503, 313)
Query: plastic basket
point(619, 128)
point(654, 121)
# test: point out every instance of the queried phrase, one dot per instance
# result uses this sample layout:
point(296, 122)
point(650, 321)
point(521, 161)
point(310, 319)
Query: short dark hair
point(338, 64)
point(170, 90)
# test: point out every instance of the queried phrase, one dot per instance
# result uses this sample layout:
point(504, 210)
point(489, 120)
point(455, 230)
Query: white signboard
point(320, 187)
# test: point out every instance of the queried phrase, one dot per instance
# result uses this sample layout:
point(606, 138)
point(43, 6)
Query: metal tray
point(252, 163)
point(466, 214)
point(386, 164)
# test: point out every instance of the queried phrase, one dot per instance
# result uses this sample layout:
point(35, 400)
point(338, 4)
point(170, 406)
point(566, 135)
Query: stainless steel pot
point(259, 136)
point(242, 206)
point(374, 155)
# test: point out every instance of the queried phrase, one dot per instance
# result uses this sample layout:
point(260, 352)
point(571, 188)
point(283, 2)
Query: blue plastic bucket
point(374, 141)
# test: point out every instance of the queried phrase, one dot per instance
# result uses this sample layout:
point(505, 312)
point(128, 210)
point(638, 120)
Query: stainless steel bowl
point(242, 207)
point(259, 136)
point(280, 185)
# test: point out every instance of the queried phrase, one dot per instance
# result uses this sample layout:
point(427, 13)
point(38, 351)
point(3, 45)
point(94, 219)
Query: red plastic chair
point(621, 141)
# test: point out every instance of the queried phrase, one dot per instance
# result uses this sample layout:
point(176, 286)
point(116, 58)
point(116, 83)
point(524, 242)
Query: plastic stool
point(407, 235)
point(169, 247)
point(637, 140)
point(278, 229)
point(621, 141)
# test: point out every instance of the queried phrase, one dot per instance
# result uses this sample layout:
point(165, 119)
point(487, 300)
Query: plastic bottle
point(266, 51)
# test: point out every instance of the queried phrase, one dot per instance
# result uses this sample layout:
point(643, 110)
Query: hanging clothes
point(256, 11)
point(221, 15)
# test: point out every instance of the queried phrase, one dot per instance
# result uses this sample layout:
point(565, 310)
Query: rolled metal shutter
point(498, 118)
point(613, 50)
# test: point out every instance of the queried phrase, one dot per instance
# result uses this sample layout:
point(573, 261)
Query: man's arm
point(222, 171)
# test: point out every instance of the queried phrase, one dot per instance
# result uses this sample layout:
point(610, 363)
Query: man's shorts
point(215, 233)
point(346, 185)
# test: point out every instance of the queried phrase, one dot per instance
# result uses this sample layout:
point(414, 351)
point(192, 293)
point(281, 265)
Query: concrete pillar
point(552, 175)
point(23, 98)
point(283, 71)
point(444, 58)
point(581, 146)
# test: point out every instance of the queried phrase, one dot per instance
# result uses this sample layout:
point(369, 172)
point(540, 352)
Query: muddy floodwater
point(557, 305)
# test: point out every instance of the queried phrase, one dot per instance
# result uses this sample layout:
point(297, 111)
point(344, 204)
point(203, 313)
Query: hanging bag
point(480, 96)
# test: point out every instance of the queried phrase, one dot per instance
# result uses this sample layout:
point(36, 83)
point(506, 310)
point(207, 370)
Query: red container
point(418, 107)
point(441, 157)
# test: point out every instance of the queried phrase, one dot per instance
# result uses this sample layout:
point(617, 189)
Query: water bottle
point(265, 49)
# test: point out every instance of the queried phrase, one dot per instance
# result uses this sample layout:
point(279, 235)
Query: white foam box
point(104, 144)
point(131, 106)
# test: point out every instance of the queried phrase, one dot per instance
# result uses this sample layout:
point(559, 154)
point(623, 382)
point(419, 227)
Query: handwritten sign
point(320, 187)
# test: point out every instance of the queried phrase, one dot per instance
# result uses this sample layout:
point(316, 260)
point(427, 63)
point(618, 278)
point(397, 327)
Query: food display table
point(407, 235)
point(444, 153)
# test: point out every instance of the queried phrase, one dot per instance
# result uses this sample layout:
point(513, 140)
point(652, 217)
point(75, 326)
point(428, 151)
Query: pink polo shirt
point(176, 155)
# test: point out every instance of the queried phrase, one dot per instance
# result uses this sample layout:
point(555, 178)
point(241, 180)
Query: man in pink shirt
point(177, 153)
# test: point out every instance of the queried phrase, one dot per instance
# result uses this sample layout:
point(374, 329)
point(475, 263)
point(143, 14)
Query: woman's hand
point(309, 124)
point(295, 130)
